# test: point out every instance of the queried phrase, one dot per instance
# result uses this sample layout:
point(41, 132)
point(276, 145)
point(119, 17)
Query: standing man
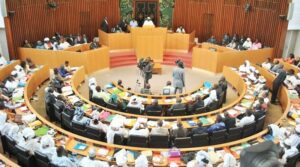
point(276, 85)
point(147, 71)
point(104, 25)
point(178, 77)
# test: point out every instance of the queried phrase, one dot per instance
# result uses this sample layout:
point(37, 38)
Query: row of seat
point(65, 118)
point(24, 158)
point(176, 112)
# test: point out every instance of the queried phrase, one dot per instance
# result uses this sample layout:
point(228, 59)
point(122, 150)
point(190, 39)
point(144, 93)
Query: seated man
point(199, 130)
point(292, 80)
point(159, 130)
point(246, 120)
point(135, 102)
point(48, 146)
point(98, 93)
point(178, 105)
point(290, 58)
point(148, 22)
point(63, 44)
point(146, 90)
point(213, 96)
point(219, 125)
point(247, 44)
point(40, 45)
point(289, 151)
point(116, 29)
point(212, 40)
point(226, 39)
point(95, 123)
point(90, 160)
point(168, 89)
point(179, 131)
point(180, 29)
point(267, 64)
point(3, 62)
point(67, 66)
point(229, 121)
point(94, 44)
point(133, 23)
point(139, 129)
point(79, 116)
point(154, 106)
point(61, 159)
point(259, 112)
point(63, 72)
point(231, 45)
point(198, 103)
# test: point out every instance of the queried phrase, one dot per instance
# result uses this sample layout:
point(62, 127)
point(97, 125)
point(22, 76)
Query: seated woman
point(256, 45)
point(79, 116)
point(29, 64)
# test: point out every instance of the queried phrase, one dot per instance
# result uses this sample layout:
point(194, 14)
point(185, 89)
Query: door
point(146, 8)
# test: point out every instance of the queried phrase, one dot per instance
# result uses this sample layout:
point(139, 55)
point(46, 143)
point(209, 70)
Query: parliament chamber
point(193, 83)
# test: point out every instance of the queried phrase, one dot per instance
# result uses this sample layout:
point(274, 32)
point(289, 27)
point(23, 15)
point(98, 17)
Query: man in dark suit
point(229, 122)
point(178, 105)
point(104, 25)
point(199, 130)
point(197, 104)
point(153, 107)
point(277, 84)
point(147, 70)
point(259, 112)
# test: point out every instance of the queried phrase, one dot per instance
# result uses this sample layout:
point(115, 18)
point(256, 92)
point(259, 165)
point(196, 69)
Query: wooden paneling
point(215, 17)
point(33, 19)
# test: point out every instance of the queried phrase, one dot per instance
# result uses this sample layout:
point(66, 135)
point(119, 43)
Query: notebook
point(80, 146)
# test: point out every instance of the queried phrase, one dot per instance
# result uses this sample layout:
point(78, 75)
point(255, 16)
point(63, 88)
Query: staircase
point(127, 58)
point(171, 57)
point(119, 59)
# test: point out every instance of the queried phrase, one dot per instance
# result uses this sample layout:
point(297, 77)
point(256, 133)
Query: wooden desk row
point(233, 78)
point(92, 60)
point(8, 162)
point(288, 66)
point(72, 139)
point(6, 70)
point(212, 57)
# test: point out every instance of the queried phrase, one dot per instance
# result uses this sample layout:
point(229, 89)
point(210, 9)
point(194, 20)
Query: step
point(122, 58)
point(122, 63)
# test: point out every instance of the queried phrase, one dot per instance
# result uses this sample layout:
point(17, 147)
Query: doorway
point(146, 8)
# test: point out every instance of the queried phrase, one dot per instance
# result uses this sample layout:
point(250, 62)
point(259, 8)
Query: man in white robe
point(148, 23)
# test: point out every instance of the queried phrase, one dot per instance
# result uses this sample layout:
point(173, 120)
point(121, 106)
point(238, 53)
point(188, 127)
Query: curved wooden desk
point(8, 162)
point(43, 74)
point(4, 73)
point(6, 70)
point(231, 76)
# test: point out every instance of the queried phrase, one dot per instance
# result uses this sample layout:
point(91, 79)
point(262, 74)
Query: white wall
point(297, 45)
point(294, 23)
point(3, 40)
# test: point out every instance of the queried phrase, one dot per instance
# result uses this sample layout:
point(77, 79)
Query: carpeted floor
point(129, 75)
